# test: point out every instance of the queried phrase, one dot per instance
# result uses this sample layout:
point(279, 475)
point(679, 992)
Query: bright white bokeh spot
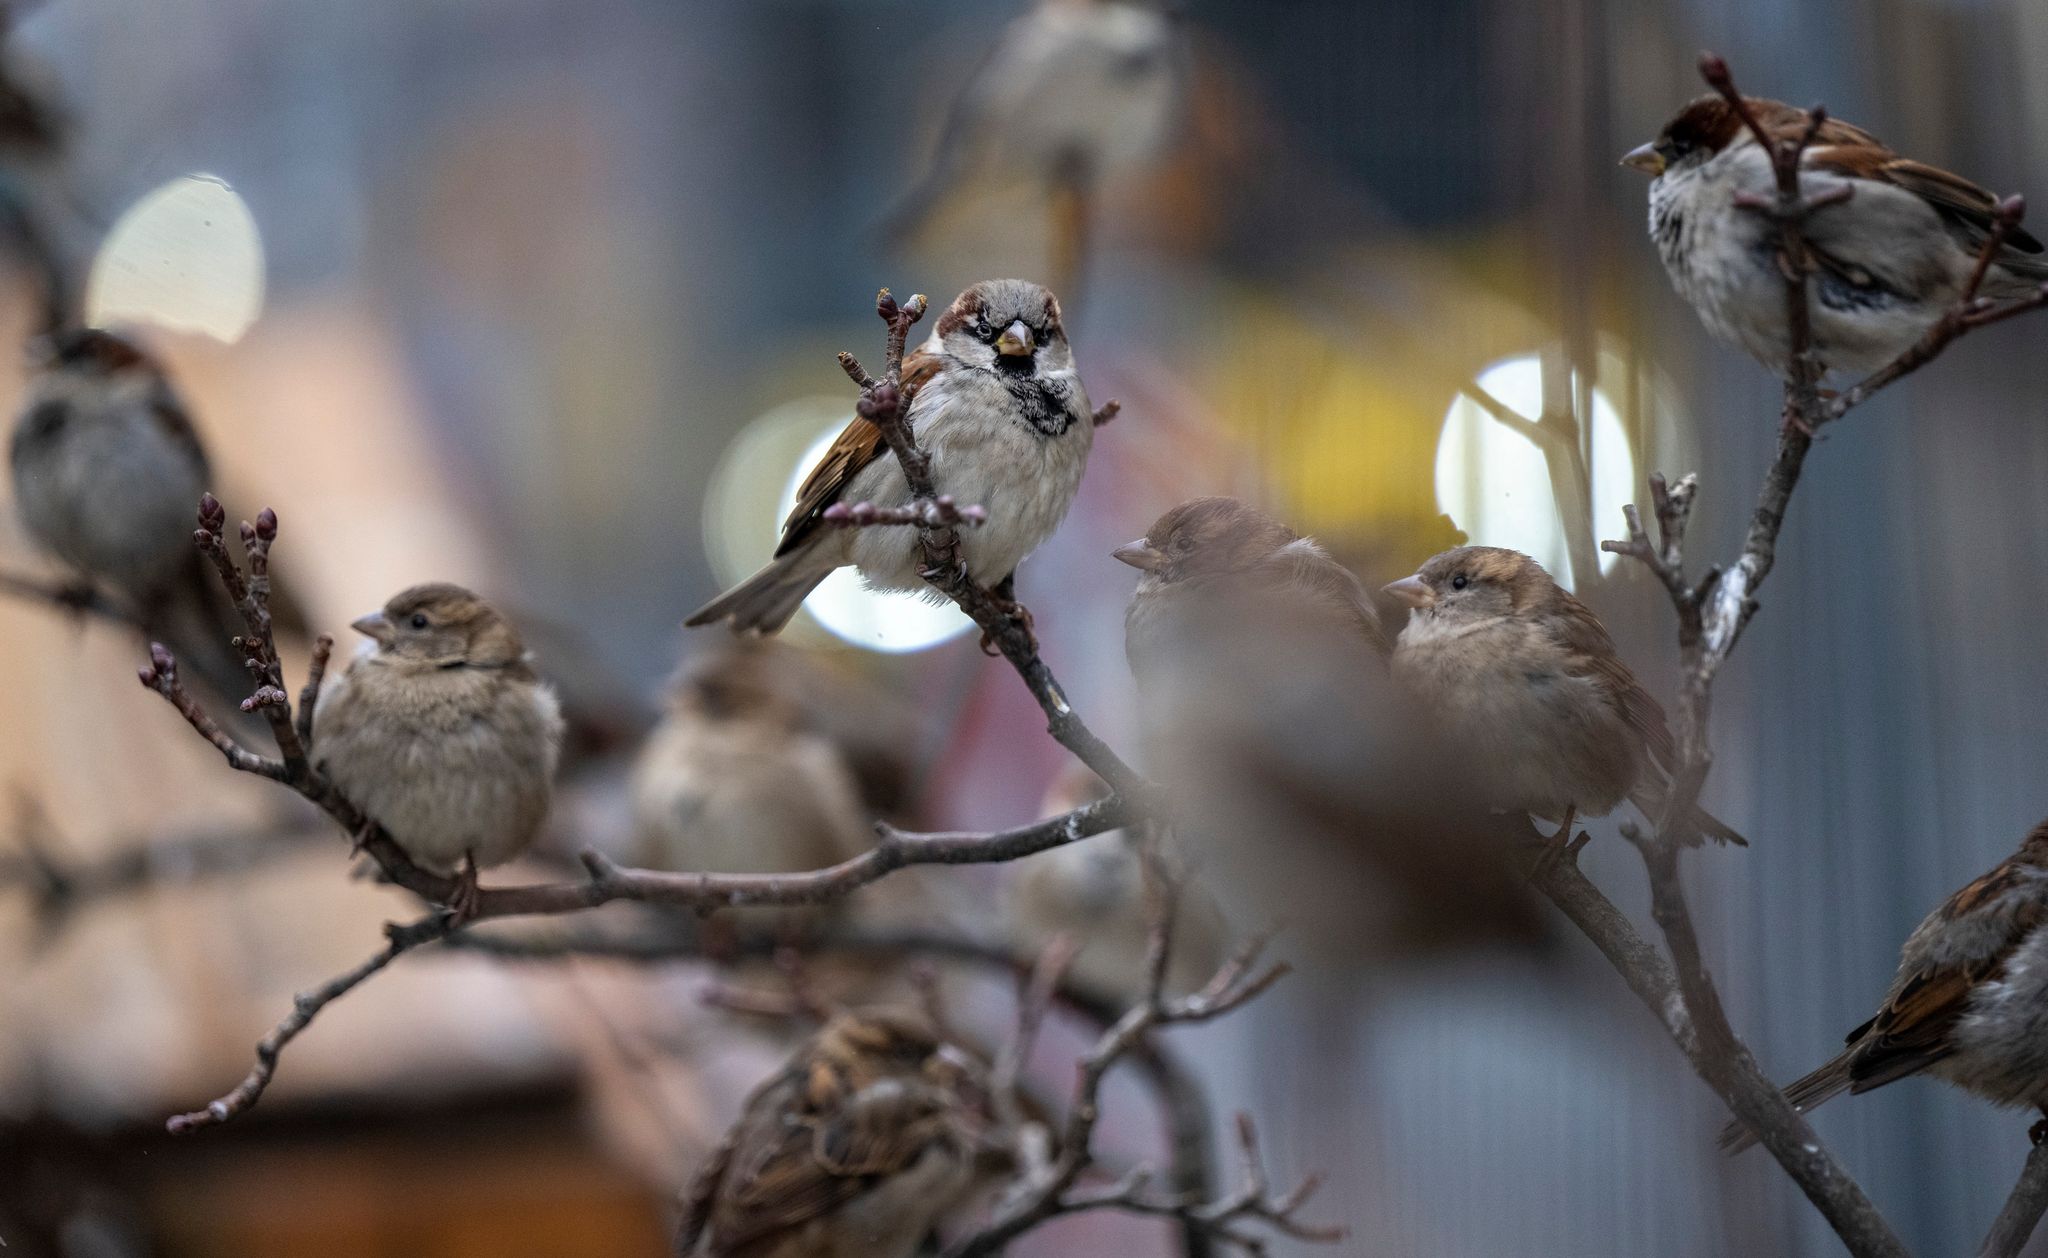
point(752, 492)
point(848, 609)
point(186, 257)
point(1495, 484)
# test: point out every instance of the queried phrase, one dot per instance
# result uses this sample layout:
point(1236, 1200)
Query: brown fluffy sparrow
point(1306, 792)
point(1889, 261)
point(1968, 1005)
point(996, 404)
point(440, 730)
point(732, 782)
point(1210, 551)
point(1073, 91)
point(862, 1143)
point(1523, 681)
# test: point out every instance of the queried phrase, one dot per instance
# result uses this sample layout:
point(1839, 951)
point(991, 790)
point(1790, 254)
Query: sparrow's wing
point(1911, 1030)
point(791, 1169)
point(858, 445)
point(1587, 639)
point(1953, 195)
point(1308, 572)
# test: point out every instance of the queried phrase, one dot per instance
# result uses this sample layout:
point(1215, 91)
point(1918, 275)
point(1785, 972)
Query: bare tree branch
point(2023, 1209)
point(1045, 1187)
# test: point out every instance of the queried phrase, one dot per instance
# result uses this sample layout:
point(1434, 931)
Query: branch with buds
point(1712, 613)
point(1046, 1186)
point(935, 513)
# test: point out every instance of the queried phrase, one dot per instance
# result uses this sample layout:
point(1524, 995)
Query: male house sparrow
point(1522, 679)
point(1306, 791)
point(731, 781)
point(440, 730)
point(862, 1143)
point(1889, 261)
point(1969, 1003)
point(996, 405)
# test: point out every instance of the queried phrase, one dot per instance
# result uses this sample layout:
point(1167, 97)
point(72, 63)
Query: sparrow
point(996, 405)
point(1889, 261)
point(441, 731)
point(732, 780)
point(108, 471)
point(857, 1148)
point(1523, 680)
point(1305, 790)
point(1968, 1004)
point(1211, 551)
point(1072, 92)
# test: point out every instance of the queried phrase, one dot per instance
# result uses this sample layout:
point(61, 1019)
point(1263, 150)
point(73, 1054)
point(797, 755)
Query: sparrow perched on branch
point(108, 470)
point(1888, 261)
point(1969, 1003)
point(862, 1143)
point(440, 730)
point(1307, 791)
point(996, 405)
point(732, 781)
point(1524, 683)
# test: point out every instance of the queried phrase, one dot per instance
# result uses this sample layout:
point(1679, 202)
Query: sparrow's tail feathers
point(764, 602)
point(1823, 1084)
point(1649, 797)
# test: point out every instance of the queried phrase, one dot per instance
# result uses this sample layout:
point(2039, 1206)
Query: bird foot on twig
point(1561, 846)
point(463, 902)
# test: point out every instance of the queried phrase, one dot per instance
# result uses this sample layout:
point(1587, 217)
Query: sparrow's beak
point(1646, 158)
point(1140, 554)
point(1016, 341)
point(1411, 591)
point(375, 627)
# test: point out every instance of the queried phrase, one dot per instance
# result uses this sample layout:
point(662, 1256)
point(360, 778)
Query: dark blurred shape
point(108, 473)
point(1307, 791)
point(860, 1145)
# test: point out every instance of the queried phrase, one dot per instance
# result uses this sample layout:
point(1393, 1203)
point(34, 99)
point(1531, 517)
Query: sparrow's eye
point(1183, 544)
point(419, 620)
point(1460, 581)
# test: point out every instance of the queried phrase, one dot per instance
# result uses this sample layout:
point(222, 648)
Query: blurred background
point(543, 297)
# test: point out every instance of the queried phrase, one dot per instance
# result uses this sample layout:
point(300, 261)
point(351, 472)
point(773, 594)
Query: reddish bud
point(1715, 71)
point(837, 512)
point(160, 655)
point(266, 524)
point(211, 514)
point(2013, 209)
point(248, 532)
point(885, 304)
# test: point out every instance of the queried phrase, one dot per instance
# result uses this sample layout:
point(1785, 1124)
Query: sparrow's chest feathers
point(102, 484)
point(1721, 258)
point(986, 450)
point(745, 796)
point(449, 760)
point(2001, 1044)
point(1543, 736)
point(892, 1219)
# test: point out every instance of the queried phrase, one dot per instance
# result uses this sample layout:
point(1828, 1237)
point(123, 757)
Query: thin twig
point(305, 1007)
point(940, 512)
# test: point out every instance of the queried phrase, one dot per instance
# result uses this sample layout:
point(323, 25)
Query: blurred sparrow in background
point(440, 730)
point(1074, 92)
point(996, 404)
point(732, 782)
point(1968, 1005)
point(863, 1142)
point(1524, 684)
point(108, 472)
point(1306, 791)
point(1888, 262)
point(1094, 892)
